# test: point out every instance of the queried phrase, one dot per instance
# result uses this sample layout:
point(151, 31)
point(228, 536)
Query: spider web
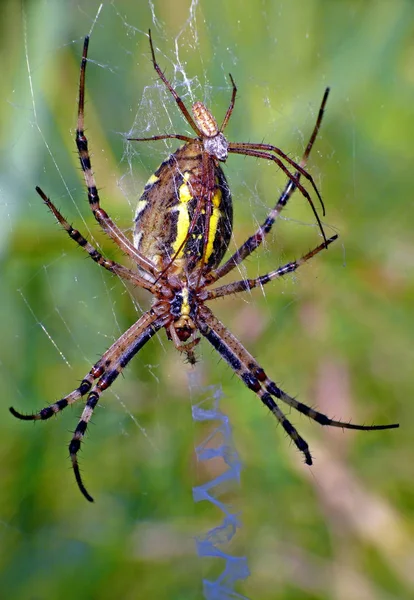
point(154, 113)
point(60, 311)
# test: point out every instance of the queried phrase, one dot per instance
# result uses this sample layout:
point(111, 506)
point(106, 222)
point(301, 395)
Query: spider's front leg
point(102, 217)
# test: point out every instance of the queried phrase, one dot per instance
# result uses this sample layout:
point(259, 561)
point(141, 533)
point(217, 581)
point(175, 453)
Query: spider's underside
point(183, 227)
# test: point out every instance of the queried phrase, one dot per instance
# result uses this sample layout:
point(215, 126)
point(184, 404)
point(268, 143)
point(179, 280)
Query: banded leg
point(254, 377)
point(254, 241)
point(98, 370)
point(142, 335)
point(53, 409)
point(247, 284)
point(107, 264)
point(94, 202)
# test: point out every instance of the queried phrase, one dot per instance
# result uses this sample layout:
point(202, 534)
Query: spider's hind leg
point(78, 435)
point(317, 416)
point(53, 409)
point(122, 351)
point(254, 377)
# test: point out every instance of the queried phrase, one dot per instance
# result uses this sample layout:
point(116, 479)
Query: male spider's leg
point(231, 105)
point(247, 284)
point(254, 241)
point(94, 201)
point(319, 417)
point(250, 373)
point(110, 265)
point(167, 136)
point(172, 91)
point(262, 150)
point(144, 329)
point(267, 156)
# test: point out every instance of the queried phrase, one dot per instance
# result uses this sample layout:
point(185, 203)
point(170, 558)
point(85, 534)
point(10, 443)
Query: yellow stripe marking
point(153, 179)
point(212, 230)
point(140, 207)
point(185, 306)
point(183, 222)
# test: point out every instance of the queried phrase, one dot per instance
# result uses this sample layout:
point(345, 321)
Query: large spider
point(183, 226)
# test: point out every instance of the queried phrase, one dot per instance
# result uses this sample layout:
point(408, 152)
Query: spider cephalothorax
point(183, 226)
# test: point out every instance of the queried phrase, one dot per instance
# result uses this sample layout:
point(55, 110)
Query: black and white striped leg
point(255, 378)
point(142, 335)
point(106, 263)
point(319, 417)
point(103, 365)
point(53, 409)
point(227, 349)
point(99, 213)
point(248, 284)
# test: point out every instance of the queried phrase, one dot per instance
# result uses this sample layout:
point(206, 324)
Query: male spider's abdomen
point(166, 208)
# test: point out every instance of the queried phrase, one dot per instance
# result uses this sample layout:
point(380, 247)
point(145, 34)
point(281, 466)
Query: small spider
point(183, 227)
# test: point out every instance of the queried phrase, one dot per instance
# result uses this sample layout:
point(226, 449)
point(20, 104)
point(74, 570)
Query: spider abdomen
point(185, 212)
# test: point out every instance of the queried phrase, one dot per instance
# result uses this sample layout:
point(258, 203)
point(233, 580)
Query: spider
point(183, 227)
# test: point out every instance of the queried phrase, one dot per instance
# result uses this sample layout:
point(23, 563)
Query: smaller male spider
point(183, 226)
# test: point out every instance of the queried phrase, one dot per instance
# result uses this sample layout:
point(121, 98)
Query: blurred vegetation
point(339, 334)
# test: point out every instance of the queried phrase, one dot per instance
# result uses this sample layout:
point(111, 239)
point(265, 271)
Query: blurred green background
point(339, 334)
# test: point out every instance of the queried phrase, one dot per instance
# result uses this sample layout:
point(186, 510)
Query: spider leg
point(100, 215)
point(304, 192)
point(317, 416)
point(107, 264)
point(167, 136)
point(298, 166)
point(144, 330)
point(102, 366)
point(262, 150)
point(254, 241)
point(254, 377)
point(53, 409)
point(172, 91)
point(231, 105)
point(315, 131)
point(233, 353)
point(208, 179)
point(248, 284)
